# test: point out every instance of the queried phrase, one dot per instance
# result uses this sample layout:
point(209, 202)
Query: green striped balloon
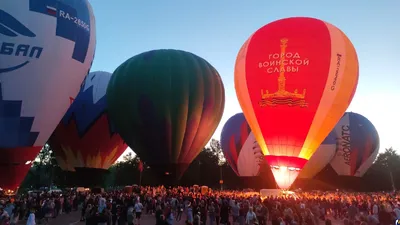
point(166, 105)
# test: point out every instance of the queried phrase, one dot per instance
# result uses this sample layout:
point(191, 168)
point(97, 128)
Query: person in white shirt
point(251, 217)
point(3, 214)
point(14, 217)
point(396, 211)
point(138, 210)
point(130, 217)
point(375, 210)
point(372, 220)
point(102, 205)
point(31, 219)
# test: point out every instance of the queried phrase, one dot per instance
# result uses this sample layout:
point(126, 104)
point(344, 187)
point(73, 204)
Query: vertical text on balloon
point(345, 144)
point(339, 57)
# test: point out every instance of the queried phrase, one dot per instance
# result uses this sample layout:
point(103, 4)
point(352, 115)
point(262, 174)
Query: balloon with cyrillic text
point(294, 79)
point(46, 50)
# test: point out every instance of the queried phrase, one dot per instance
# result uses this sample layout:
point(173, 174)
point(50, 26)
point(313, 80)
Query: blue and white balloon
point(46, 50)
point(321, 158)
point(358, 145)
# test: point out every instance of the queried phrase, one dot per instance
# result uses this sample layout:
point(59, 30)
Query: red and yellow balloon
point(294, 79)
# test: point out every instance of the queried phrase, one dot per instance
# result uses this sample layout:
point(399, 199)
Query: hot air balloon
point(358, 145)
point(85, 141)
point(16, 167)
point(240, 148)
point(321, 158)
point(47, 48)
point(166, 104)
point(294, 79)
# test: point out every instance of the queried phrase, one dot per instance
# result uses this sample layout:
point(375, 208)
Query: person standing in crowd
point(242, 215)
point(130, 215)
point(170, 217)
point(14, 216)
point(114, 213)
point(31, 219)
point(4, 217)
point(159, 216)
point(259, 213)
point(179, 211)
point(384, 217)
point(251, 217)
point(103, 217)
point(203, 212)
point(189, 213)
point(224, 213)
point(197, 219)
point(217, 214)
point(396, 212)
point(89, 218)
point(138, 211)
point(122, 214)
point(57, 207)
point(235, 213)
point(211, 213)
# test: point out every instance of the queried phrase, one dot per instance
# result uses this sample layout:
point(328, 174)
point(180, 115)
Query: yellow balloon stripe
point(244, 97)
point(341, 82)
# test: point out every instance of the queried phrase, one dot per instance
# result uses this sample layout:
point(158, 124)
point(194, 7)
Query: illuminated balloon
point(85, 139)
point(294, 79)
point(166, 104)
point(321, 158)
point(16, 168)
point(46, 49)
point(240, 148)
point(358, 145)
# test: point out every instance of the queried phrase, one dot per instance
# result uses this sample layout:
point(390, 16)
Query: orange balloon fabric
point(294, 79)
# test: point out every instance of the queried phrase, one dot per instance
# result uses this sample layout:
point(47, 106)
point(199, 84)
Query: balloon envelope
point(240, 148)
point(294, 79)
point(85, 137)
point(17, 166)
point(166, 105)
point(46, 49)
point(321, 158)
point(358, 145)
point(250, 158)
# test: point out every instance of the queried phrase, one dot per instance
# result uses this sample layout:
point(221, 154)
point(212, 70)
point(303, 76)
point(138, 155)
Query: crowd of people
point(192, 206)
point(37, 208)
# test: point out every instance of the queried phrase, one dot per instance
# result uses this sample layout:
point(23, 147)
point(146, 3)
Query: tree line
point(211, 169)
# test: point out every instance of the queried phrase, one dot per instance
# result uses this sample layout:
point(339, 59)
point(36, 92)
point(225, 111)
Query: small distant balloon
point(240, 147)
point(358, 145)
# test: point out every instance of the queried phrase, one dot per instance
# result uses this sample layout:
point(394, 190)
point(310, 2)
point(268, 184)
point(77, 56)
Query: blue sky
point(216, 29)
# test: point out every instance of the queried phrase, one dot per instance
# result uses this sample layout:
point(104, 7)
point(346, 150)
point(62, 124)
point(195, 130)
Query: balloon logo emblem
point(282, 96)
point(11, 27)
